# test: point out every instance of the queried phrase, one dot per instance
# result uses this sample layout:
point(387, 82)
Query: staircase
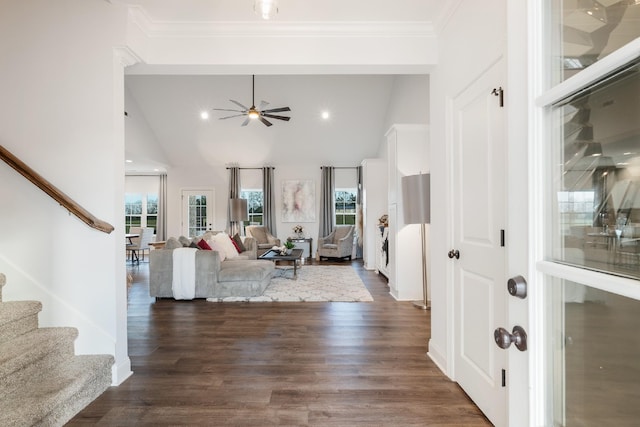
point(42, 381)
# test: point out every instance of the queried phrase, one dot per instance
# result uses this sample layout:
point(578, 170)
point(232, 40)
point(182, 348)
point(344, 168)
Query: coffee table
point(274, 255)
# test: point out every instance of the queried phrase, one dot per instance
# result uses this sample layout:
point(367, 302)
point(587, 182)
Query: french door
point(197, 211)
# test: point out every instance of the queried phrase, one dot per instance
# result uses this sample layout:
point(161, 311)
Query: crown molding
point(204, 29)
point(446, 15)
point(127, 56)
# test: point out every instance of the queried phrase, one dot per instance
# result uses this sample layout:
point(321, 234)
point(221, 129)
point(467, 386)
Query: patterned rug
point(314, 283)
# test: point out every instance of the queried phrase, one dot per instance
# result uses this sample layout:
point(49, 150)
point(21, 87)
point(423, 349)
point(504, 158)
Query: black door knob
point(454, 253)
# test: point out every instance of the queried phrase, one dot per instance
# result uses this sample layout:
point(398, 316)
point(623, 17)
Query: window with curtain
point(345, 203)
point(255, 205)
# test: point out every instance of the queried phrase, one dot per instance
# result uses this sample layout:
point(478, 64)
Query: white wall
point(141, 140)
point(61, 113)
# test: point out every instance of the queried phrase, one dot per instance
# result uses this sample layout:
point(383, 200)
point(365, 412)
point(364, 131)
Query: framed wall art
point(298, 201)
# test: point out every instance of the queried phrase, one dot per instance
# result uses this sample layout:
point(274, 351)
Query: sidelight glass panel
point(596, 186)
point(585, 31)
point(595, 361)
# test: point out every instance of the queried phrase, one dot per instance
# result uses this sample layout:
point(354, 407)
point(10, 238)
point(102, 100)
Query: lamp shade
point(416, 198)
point(238, 210)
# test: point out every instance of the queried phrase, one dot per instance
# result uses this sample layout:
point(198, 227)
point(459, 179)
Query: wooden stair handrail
point(64, 200)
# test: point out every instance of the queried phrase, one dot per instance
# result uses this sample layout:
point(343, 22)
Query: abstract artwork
point(298, 201)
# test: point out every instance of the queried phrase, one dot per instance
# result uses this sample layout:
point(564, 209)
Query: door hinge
point(502, 238)
point(504, 378)
point(499, 92)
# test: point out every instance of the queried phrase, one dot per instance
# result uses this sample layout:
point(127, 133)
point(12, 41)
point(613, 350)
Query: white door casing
point(479, 212)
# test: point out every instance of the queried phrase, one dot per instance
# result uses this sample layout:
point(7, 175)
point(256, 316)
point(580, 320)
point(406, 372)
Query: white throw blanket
point(184, 273)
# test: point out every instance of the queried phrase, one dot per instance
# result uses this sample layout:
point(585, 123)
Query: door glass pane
point(595, 379)
point(596, 211)
point(197, 215)
point(589, 30)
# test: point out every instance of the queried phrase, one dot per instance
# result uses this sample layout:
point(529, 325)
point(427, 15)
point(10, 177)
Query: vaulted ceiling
point(171, 99)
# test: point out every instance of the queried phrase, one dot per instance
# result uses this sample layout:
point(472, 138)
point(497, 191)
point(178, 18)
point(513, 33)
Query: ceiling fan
point(253, 112)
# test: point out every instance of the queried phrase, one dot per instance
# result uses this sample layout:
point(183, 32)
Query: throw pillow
point(185, 241)
point(172, 243)
point(217, 247)
point(194, 245)
point(202, 244)
point(225, 241)
point(239, 244)
point(259, 234)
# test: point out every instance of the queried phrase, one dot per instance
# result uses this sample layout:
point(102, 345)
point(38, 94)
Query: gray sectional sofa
point(242, 276)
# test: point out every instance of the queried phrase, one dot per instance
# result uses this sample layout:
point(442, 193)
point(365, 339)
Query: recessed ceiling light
point(129, 161)
point(325, 115)
point(204, 115)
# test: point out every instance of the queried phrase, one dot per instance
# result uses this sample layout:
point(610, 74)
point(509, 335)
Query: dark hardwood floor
point(296, 364)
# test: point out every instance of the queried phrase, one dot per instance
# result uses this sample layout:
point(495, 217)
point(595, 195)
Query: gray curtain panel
point(269, 202)
point(161, 226)
point(234, 193)
point(359, 219)
point(327, 206)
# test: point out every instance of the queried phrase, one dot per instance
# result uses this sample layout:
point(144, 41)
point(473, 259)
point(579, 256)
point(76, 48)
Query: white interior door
point(479, 189)
point(197, 212)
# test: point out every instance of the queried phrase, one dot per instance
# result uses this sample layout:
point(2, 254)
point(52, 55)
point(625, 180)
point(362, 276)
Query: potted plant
point(287, 247)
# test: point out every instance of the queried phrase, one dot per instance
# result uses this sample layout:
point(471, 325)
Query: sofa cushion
point(225, 241)
point(185, 241)
point(250, 270)
point(215, 246)
point(239, 244)
point(172, 243)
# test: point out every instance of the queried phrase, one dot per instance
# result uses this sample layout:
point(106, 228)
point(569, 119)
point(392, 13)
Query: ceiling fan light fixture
point(267, 9)
point(253, 113)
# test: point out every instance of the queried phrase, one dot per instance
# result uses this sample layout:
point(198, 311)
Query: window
point(590, 221)
point(140, 210)
point(597, 216)
point(255, 204)
point(345, 199)
point(132, 211)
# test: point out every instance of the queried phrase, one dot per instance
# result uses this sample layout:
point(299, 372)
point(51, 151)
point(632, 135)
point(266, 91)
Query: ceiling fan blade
point(263, 104)
point(228, 117)
point(237, 103)
point(277, 110)
point(276, 117)
point(246, 122)
point(227, 109)
point(265, 121)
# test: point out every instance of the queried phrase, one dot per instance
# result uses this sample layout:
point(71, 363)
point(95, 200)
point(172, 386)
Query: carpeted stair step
point(53, 397)
point(18, 318)
point(30, 356)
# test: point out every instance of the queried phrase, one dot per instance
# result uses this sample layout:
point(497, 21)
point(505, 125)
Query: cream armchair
point(338, 244)
point(264, 239)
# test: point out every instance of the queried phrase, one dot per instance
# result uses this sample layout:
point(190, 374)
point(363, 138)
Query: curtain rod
point(255, 168)
point(342, 167)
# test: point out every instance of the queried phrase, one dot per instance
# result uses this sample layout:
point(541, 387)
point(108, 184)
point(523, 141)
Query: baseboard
point(438, 357)
point(120, 372)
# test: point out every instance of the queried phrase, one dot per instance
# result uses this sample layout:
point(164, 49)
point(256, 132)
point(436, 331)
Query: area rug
point(314, 283)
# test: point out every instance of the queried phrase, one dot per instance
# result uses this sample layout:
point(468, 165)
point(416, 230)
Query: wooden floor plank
point(260, 364)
